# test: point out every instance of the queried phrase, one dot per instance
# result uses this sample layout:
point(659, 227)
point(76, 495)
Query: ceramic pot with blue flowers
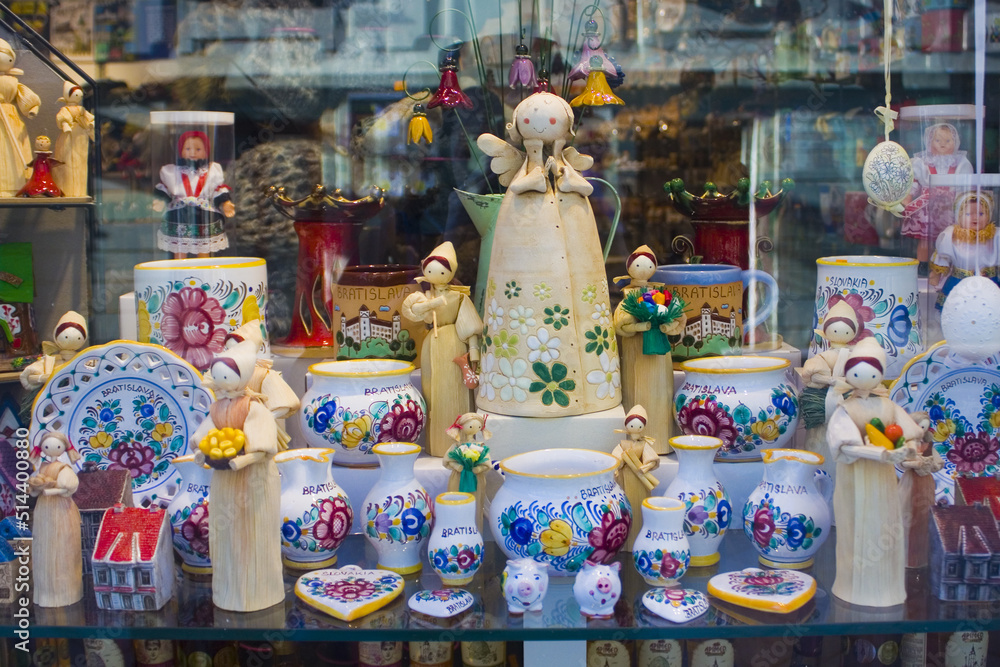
point(316, 513)
point(398, 511)
point(707, 510)
point(787, 517)
point(353, 405)
point(455, 550)
point(661, 552)
point(188, 512)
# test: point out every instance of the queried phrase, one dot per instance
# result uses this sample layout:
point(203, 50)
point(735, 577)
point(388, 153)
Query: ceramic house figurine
point(245, 520)
point(636, 460)
point(549, 344)
point(455, 329)
point(647, 373)
point(868, 434)
point(469, 459)
point(99, 490)
point(525, 582)
point(597, 588)
point(68, 338)
point(15, 99)
point(56, 557)
point(967, 248)
point(76, 132)
point(41, 182)
point(964, 554)
point(133, 560)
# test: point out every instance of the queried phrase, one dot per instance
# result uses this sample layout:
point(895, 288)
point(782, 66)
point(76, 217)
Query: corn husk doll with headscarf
point(76, 131)
point(15, 147)
point(469, 459)
point(636, 461)
point(68, 338)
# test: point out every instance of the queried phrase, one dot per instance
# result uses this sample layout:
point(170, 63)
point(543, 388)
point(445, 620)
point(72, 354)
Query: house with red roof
point(133, 561)
point(965, 554)
point(979, 491)
point(98, 491)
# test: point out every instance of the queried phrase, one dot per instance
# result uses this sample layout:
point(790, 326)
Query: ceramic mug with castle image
point(713, 294)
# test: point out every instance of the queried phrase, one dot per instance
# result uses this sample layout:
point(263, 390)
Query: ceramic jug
point(662, 552)
point(708, 511)
point(455, 550)
point(787, 517)
point(398, 511)
point(316, 513)
point(188, 512)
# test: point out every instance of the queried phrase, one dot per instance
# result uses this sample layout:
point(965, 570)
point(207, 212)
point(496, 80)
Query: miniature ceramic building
point(98, 491)
point(133, 562)
point(965, 554)
point(979, 491)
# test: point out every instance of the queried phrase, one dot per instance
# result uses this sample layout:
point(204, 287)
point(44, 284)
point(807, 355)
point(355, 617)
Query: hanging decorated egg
point(888, 176)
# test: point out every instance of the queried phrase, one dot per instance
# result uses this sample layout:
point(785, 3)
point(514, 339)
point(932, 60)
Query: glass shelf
point(191, 615)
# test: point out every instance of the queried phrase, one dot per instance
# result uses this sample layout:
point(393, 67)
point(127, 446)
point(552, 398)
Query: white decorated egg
point(970, 318)
point(888, 176)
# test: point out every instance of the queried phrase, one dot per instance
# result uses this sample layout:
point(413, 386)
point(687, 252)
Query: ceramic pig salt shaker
point(524, 583)
point(597, 588)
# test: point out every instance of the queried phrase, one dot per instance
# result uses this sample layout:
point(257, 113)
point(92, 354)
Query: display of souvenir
point(56, 546)
point(868, 434)
point(560, 507)
point(41, 183)
point(68, 338)
point(76, 132)
point(597, 588)
point(316, 513)
point(455, 547)
point(367, 302)
point(778, 591)
point(122, 415)
point(16, 99)
point(469, 459)
point(677, 605)
point(549, 346)
point(647, 365)
point(662, 552)
point(239, 439)
point(707, 508)
point(443, 603)
point(398, 512)
point(525, 582)
point(188, 511)
point(349, 592)
point(968, 247)
point(636, 461)
point(133, 561)
point(353, 405)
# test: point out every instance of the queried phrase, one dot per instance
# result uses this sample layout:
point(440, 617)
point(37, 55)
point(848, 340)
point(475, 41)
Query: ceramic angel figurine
point(194, 193)
point(469, 459)
point(969, 247)
point(455, 329)
point(636, 460)
point(41, 183)
point(76, 132)
point(868, 434)
point(68, 338)
point(15, 147)
point(239, 439)
point(549, 346)
point(57, 557)
point(647, 375)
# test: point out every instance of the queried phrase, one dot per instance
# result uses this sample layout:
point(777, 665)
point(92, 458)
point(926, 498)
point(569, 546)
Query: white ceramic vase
point(787, 517)
point(188, 512)
point(316, 513)
point(707, 509)
point(398, 511)
point(455, 550)
point(352, 405)
point(661, 552)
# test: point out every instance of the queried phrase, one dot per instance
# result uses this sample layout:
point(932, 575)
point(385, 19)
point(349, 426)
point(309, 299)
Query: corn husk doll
point(68, 338)
point(468, 459)
point(637, 458)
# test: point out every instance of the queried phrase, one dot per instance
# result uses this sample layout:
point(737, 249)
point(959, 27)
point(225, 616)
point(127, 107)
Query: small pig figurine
point(597, 588)
point(524, 583)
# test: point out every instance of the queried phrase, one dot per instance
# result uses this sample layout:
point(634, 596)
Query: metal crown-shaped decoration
point(327, 206)
point(714, 206)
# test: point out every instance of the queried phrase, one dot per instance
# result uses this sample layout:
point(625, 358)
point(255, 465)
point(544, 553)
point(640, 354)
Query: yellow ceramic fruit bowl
point(221, 445)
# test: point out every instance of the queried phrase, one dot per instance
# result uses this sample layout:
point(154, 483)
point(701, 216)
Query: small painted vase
point(708, 511)
point(188, 512)
point(316, 513)
point(398, 510)
point(787, 517)
point(661, 552)
point(455, 550)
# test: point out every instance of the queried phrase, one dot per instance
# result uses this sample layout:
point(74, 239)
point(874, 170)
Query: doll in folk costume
point(194, 193)
point(637, 458)
point(549, 347)
point(868, 435)
point(239, 439)
point(15, 146)
point(647, 378)
point(41, 182)
point(68, 338)
point(969, 247)
point(453, 339)
point(56, 551)
point(76, 132)
point(469, 459)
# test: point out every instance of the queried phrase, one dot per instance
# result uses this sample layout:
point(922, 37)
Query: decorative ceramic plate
point(677, 605)
point(442, 603)
point(779, 591)
point(349, 592)
point(126, 405)
point(963, 403)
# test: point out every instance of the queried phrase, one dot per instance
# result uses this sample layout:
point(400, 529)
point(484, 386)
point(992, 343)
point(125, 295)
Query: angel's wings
point(576, 159)
point(506, 159)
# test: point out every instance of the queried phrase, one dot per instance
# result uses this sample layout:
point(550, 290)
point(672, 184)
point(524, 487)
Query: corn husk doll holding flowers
point(468, 459)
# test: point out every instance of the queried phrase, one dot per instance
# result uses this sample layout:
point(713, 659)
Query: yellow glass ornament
point(596, 92)
point(420, 127)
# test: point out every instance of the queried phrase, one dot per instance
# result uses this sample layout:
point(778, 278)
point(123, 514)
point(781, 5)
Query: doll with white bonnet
point(76, 132)
point(969, 247)
point(469, 458)
point(68, 338)
point(636, 460)
point(15, 145)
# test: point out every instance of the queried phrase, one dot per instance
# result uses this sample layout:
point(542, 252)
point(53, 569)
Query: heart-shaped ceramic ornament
point(779, 591)
point(677, 605)
point(443, 603)
point(348, 592)
point(888, 176)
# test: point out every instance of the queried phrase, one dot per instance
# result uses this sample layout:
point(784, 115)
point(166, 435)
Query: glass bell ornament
point(522, 70)
point(420, 127)
point(597, 92)
point(888, 176)
point(543, 85)
point(591, 49)
point(449, 95)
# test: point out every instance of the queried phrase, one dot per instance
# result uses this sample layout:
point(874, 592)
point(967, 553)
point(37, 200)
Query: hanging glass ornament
point(596, 93)
point(543, 86)
point(420, 127)
point(522, 70)
point(591, 49)
point(449, 95)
